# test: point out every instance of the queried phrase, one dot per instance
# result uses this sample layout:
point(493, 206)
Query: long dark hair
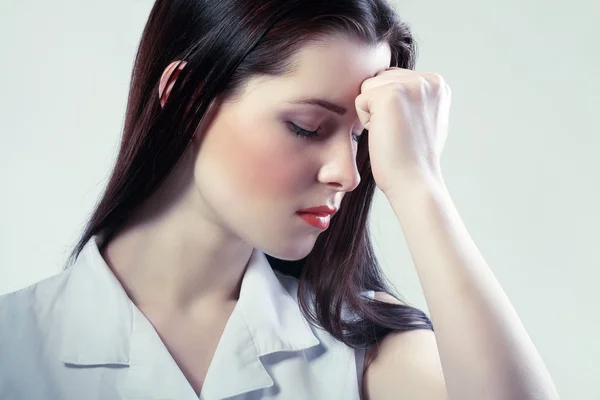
point(224, 44)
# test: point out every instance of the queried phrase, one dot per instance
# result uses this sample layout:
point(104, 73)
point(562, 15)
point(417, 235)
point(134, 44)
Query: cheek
point(259, 165)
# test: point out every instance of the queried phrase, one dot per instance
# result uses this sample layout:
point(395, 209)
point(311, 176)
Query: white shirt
point(77, 335)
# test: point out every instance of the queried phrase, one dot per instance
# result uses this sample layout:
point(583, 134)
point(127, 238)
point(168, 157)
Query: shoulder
point(404, 365)
point(36, 291)
point(30, 335)
point(30, 307)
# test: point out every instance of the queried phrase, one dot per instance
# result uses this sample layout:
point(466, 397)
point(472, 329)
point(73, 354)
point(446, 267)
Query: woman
point(206, 270)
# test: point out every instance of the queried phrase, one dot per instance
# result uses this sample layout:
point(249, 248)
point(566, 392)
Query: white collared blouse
point(78, 336)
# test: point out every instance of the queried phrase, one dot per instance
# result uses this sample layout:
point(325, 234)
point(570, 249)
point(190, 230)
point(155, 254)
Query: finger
point(364, 101)
point(392, 75)
point(361, 104)
point(434, 78)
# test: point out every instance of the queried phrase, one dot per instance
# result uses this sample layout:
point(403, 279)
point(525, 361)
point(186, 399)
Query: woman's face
point(253, 172)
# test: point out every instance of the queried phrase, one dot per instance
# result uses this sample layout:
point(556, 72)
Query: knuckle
point(397, 92)
point(436, 80)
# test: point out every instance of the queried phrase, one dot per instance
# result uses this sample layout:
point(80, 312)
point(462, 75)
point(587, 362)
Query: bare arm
point(484, 350)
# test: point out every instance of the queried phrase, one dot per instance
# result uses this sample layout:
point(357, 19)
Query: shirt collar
point(98, 319)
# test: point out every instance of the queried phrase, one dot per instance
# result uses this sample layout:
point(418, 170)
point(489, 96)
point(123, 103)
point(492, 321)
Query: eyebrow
point(337, 109)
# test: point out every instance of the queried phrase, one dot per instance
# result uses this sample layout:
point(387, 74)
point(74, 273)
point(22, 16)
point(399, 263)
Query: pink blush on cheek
point(256, 165)
point(270, 174)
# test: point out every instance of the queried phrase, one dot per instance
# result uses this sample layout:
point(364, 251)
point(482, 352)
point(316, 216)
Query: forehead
point(338, 59)
point(338, 65)
point(330, 67)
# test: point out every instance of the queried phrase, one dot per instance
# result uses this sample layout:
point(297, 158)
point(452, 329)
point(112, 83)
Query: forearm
point(484, 349)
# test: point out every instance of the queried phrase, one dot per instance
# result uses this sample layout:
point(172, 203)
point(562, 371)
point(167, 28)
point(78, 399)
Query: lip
point(318, 217)
point(319, 221)
point(320, 210)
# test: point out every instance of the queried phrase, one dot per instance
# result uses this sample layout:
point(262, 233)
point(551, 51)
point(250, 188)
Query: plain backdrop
point(521, 160)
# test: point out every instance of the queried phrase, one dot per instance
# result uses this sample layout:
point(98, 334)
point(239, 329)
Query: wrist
point(415, 186)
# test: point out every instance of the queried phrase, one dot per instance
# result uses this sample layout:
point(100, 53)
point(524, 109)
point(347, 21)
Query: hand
point(406, 113)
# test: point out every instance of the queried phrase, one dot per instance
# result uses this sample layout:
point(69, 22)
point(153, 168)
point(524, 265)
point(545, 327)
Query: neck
point(173, 263)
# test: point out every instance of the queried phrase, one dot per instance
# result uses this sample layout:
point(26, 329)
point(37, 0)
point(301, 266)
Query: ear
point(167, 80)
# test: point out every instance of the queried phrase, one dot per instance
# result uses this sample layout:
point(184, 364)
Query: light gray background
point(520, 161)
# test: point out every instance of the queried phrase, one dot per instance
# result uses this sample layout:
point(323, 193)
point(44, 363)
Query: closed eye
point(303, 133)
point(306, 134)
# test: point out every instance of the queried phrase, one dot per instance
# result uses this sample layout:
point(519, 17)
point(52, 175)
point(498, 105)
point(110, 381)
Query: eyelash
point(304, 134)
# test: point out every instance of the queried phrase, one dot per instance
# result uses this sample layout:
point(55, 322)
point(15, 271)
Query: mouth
point(320, 210)
point(316, 220)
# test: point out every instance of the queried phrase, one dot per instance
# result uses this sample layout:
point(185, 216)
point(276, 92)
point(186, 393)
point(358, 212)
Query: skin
point(239, 186)
point(186, 248)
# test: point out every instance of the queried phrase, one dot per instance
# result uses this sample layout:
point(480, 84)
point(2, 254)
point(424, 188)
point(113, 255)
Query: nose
point(339, 167)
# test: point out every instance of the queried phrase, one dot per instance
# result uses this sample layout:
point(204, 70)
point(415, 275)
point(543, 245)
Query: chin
point(292, 252)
